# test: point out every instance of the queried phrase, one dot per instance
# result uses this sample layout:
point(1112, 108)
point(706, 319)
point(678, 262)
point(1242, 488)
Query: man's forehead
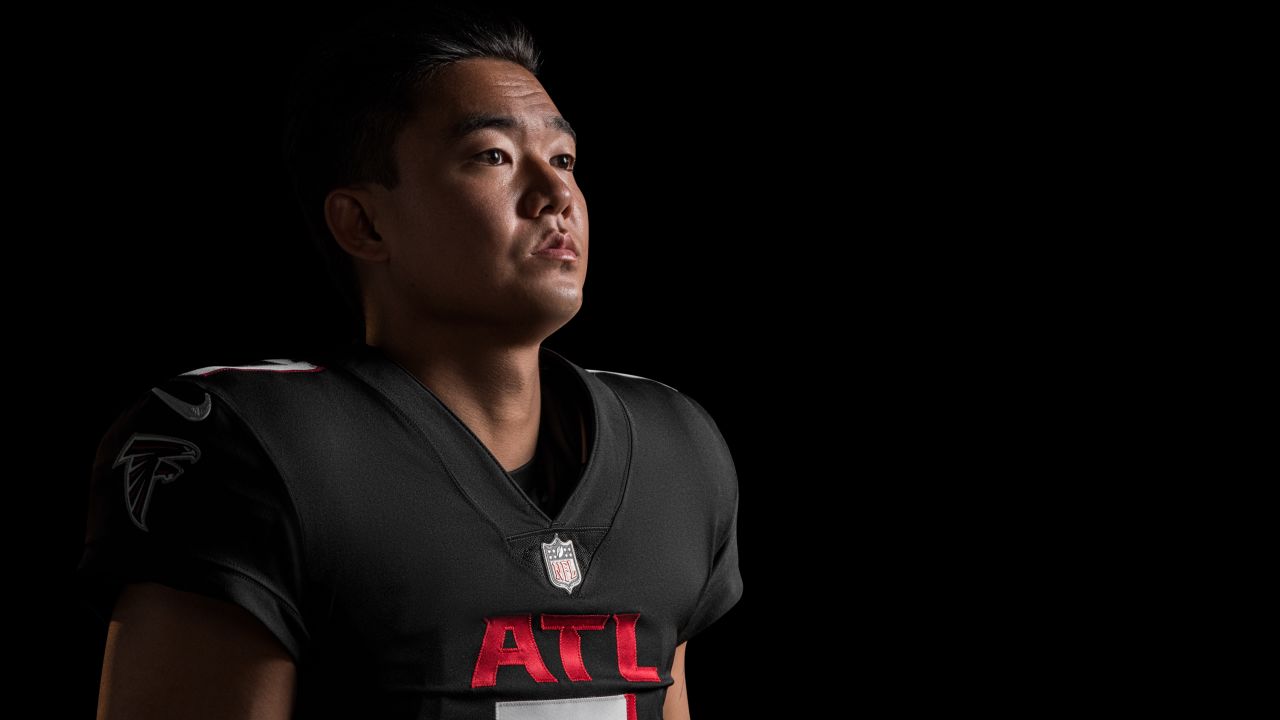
point(486, 85)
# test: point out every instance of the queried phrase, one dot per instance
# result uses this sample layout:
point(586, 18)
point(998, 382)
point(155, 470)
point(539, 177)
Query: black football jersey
point(345, 506)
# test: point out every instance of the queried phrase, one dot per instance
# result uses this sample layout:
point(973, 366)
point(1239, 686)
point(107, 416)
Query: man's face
point(485, 179)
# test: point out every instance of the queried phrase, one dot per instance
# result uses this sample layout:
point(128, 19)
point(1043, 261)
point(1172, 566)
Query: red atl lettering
point(571, 641)
point(626, 624)
point(494, 653)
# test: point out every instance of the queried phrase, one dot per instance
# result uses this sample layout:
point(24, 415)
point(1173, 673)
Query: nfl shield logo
point(562, 564)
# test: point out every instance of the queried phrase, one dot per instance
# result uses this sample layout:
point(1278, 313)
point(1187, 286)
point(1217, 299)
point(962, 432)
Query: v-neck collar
point(478, 474)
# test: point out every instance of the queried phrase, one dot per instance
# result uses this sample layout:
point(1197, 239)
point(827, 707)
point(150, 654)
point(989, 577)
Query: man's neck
point(494, 388)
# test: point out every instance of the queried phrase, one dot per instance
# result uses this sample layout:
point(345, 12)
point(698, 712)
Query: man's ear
point(349, 213)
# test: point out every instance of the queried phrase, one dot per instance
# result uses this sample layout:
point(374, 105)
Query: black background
point(708, 272)
point(869, 242)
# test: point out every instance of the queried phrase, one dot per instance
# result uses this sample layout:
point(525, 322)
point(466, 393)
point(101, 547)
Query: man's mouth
point(557, 246)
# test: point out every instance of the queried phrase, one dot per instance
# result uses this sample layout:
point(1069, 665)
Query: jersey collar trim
point(450, 446)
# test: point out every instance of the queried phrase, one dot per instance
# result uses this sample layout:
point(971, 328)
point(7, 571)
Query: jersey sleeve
point(723, 588)
point(183, 494)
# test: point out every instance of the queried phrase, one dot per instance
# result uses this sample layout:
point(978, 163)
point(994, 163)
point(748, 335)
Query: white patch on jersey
point(613, 707)
point(637, 377)
point(562, 564)
point(277, 365)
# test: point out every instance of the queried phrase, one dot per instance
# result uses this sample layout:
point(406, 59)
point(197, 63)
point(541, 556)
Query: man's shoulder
point(614, 378)
point(258, 390)
point(674, 427)
point(254, 371)
point(654, 398)
point(253, 376)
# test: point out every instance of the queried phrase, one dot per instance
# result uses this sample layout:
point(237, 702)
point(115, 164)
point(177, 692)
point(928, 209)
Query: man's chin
point(559, 312)
point(538, 317)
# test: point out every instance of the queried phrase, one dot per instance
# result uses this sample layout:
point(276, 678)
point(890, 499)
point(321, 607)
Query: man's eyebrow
point(479, 121)
point(558, 123)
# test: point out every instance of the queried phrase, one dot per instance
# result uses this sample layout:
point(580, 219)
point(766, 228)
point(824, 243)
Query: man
point(444, 519)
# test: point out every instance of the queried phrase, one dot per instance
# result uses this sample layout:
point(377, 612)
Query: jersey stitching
point(302, 529)
point(592, 461)
point(706, 584)
point(541, 532)
point(246, 575)
point(721, 544)
point(626, 481)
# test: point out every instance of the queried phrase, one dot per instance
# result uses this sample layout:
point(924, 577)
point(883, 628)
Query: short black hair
point(356, 92)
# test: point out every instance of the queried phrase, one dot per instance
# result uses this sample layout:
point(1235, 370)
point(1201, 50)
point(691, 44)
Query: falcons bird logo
point(147, 458)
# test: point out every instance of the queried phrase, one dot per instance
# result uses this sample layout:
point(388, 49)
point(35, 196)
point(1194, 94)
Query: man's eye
point(490, 155)
point(569, 161)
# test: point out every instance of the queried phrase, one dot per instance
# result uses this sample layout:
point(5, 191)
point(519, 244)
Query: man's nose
point(548, 191)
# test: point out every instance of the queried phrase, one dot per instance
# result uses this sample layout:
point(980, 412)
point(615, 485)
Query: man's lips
point(557, 246)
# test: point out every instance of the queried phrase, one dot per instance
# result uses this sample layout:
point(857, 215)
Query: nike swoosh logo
point(194, 413)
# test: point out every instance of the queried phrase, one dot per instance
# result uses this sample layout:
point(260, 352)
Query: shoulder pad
point(625, 375)
point(279, 365)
